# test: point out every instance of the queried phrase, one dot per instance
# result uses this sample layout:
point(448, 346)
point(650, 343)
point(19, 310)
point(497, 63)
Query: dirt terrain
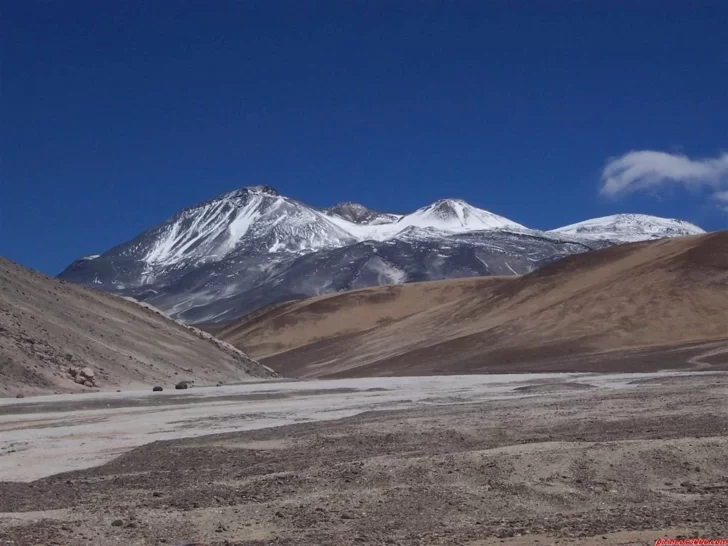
point(49, 326)
point(637, 307)
point(555, 461)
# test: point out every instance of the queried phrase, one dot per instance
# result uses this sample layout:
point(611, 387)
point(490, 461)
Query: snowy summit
point(629, 228)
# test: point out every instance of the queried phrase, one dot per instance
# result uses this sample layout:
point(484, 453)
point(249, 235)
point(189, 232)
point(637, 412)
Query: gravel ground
point(551, 464)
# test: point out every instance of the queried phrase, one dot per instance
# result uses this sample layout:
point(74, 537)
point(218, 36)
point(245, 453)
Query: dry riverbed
point(472, 460)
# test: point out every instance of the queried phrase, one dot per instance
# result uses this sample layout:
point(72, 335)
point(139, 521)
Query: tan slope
point(620, 308)
point(48, 326)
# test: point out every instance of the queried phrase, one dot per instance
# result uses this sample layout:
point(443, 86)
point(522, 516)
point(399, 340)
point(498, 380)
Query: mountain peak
point(268, 190)
point(459, 215)
point(630, 227)
point(451, 201)
point(347, 205)
point(359, 214)
point(450, 206)
point(250, 190)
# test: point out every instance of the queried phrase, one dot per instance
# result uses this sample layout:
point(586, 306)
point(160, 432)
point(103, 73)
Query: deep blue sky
point(117, 114)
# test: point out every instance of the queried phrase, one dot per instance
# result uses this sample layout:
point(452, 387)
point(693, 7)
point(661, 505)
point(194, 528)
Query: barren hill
point(635, 307)
point(49, 326)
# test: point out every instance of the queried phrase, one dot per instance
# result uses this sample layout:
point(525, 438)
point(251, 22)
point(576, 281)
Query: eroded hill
point(636, 307)
point(49, 326)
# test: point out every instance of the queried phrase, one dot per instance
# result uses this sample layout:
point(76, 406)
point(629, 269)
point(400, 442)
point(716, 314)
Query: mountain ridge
point(250, 247)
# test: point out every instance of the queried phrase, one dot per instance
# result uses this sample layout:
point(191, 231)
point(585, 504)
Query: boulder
point(88, 373)
point(182, 385)
point(73, 372)
point(88, 384)
point(20, 395)
point(80, 380)
point(157, 389)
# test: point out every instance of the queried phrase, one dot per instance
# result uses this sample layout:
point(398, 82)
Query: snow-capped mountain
point(443, 217)
point(456, 216)
point(629, 228)
point(251, 247)
point(256, 218)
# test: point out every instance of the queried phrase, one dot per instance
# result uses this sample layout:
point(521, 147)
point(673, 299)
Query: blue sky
point(117, 114)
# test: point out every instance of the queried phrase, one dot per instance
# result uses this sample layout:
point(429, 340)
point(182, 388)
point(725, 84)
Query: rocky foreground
point(565, 464)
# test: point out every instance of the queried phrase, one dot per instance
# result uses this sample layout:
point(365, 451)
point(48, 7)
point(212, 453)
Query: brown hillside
point(633, 307)
point(48, 326)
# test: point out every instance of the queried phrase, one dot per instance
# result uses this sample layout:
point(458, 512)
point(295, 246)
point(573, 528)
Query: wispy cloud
point(650, 170)
point(721, 196)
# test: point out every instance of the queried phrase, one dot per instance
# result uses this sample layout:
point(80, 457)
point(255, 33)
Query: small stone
point(132, 525)
point(182, 385)
point(117, 523)
point(156, 494)
point(157, 389)
point(20, 395)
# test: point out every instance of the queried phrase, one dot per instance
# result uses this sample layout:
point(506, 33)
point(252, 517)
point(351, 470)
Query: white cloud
point(721, 196)
point(649, 170)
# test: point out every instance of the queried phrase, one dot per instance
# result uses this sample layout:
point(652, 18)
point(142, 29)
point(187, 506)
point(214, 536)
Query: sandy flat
point(474, 460)
point(45, 435)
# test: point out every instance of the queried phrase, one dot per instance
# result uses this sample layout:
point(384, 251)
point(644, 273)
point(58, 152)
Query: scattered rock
point(157, 389)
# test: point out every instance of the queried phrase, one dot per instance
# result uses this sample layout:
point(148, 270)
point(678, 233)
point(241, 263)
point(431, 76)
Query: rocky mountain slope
point(50, 328)
point(252, 247)
point(634, 307)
